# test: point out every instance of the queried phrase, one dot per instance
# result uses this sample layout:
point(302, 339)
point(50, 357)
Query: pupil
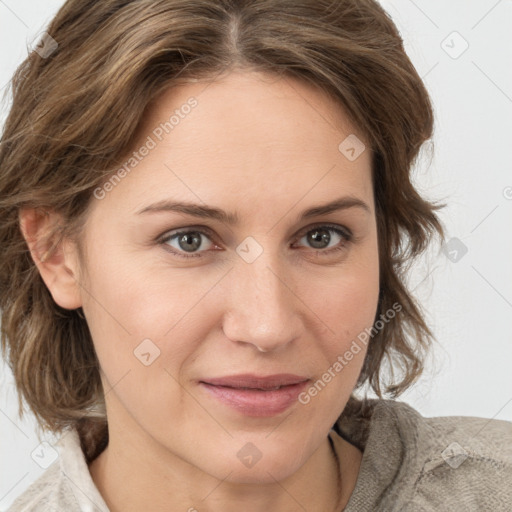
point(318, 237)
point(190, 239)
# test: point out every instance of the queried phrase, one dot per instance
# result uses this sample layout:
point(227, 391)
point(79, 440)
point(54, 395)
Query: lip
point(260, 400)
point(250, 380)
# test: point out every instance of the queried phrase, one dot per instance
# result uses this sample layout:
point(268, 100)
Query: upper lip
point(256, 381)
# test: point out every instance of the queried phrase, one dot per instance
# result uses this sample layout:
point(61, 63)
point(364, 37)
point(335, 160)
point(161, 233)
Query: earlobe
point(54, 256)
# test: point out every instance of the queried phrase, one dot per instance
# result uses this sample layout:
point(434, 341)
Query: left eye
point(191, 241)
point(320, 235)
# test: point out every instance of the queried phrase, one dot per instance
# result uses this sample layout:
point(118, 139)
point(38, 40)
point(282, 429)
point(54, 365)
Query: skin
point(267, 149)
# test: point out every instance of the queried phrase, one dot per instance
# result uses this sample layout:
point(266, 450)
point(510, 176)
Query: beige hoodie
point(417, 464)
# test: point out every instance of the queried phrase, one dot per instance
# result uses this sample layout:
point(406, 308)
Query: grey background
point(469, 301)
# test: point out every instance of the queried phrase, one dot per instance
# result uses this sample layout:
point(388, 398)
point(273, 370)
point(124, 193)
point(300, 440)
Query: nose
point(262, 309)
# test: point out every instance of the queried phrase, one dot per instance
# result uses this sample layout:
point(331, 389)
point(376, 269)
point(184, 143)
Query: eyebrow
point(211, 212)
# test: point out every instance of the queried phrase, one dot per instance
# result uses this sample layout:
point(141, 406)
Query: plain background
point(467, 296)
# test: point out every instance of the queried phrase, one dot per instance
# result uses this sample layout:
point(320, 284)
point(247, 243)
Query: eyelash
point(344, 233)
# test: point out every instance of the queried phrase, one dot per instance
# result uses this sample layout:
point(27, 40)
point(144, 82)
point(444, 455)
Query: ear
point(54, 256)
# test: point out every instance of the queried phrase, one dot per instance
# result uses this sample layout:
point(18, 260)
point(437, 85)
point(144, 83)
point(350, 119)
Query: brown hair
point(75, 113)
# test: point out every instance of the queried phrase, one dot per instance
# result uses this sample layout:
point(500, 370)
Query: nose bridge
point(262, 308)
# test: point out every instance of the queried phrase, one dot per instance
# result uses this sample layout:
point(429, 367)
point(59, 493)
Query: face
point(175, 300)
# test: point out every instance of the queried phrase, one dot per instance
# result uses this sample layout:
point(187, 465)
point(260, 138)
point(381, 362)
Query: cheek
point(133, 315)
point(348, 314)
point(347, 309)
point(346, 303)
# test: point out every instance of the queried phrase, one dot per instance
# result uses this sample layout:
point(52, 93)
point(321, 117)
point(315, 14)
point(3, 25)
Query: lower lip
point(253, 402)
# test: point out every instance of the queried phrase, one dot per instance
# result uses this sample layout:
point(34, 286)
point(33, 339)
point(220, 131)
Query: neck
point(146, 478)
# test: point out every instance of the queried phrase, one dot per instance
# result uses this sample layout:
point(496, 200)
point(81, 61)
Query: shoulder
point(468, 460)
point(433, 463)
point(44, 494)
point(66, 486)
point(459, 437)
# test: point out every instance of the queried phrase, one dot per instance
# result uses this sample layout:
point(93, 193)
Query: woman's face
point(277, 292)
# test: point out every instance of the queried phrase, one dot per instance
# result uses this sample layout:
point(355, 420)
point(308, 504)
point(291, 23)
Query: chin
point(261, 473)
point(254, 463)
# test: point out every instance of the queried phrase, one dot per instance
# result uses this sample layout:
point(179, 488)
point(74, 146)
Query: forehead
point(250, 108)
point(248, 136)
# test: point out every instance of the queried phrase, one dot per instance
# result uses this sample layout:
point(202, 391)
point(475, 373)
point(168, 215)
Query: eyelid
point(204, 230)
point(331, 225)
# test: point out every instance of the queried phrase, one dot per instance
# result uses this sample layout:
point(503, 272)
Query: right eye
point(186, 242)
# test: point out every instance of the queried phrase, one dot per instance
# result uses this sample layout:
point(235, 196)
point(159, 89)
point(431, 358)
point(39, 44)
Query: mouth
point(258, 396)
